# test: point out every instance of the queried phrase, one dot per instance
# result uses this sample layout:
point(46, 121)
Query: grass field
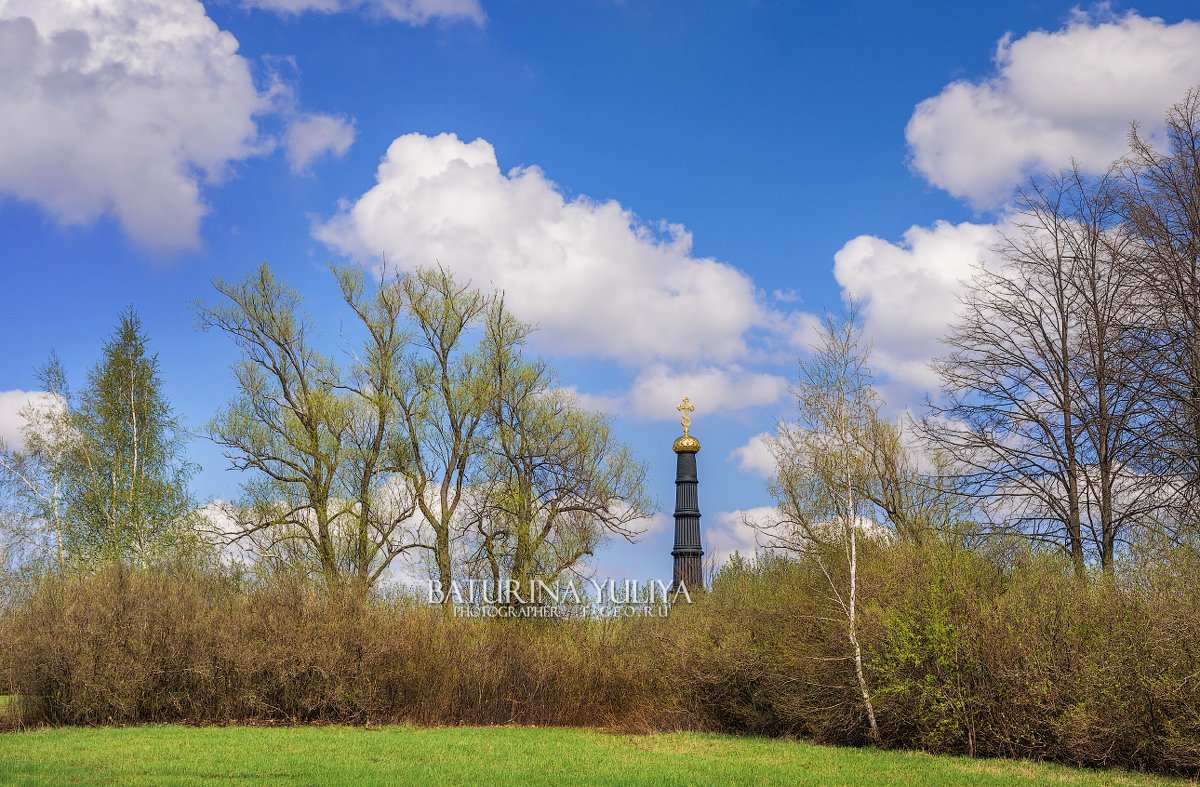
point(499, 756)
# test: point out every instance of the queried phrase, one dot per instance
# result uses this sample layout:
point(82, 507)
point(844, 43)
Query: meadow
point(479, 755)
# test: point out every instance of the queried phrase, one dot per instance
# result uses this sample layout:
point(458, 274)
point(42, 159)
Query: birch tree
point(127, 493)
point(104, 475)
point(34, 476)
point(823, 461)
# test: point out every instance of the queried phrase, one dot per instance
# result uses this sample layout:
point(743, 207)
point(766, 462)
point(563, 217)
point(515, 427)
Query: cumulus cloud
point(729, 533)
point(11, 421)
point(596, 279)
point(312, 135)
point(656, 390)
point(755, 456)
point(416, 12)
point(12, 406)
point(123, 107)
point(910, 292)
point(1053, 96)
point(653, 525)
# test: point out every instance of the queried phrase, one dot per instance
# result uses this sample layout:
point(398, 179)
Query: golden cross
point(686, 408)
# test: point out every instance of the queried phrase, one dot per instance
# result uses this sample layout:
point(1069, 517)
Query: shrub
point(124, 647)
point(1002, 653)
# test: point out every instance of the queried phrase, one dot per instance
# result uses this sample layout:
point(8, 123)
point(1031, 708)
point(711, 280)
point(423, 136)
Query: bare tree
point(1160, 202)
point(1041, 402)
point(1111, 392)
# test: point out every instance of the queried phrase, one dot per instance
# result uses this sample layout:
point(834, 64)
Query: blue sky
point(672, 190)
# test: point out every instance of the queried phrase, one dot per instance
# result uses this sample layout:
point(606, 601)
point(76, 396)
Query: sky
point(674, 192)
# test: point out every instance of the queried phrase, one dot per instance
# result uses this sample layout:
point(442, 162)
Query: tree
point(322, 445)
point(103, 476)
point(442, 398)
point(914, 492)
point(378, 453)
point(1040, 403)
point(824, 461)
point(1111, 392)
point(34, 478)
point(553, 480)
point(1160, 203)
point(353, 465)
point(126, 493)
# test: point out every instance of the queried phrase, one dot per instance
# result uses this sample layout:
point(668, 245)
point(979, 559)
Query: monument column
point(688, 553)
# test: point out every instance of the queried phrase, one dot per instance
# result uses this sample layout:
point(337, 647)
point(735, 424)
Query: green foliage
point(925, 664)
point(127, 496)
point(552, 481)
point(102, 476)
point(317, 443)
point(353, 464)
point(999, 653)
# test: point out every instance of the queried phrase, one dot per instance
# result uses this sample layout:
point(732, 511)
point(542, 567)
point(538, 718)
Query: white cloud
point(911, 292)
point(596, 279)
point(219, 526)
point(123, 108)
point(755, 456)
point(1055, 95)
point(657, 389)
point(653, 525)
point(416, 12)
point(312, 135)
point(729, 533)
point(12, 422)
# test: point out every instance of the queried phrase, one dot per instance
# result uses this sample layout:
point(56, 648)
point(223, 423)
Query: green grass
point(497, 756)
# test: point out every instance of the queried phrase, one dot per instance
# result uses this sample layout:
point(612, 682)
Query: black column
point(687, 552)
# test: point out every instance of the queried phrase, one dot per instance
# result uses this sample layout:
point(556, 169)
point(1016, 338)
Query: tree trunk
point(852, 611)
point(853, 632)
point(444, 567)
